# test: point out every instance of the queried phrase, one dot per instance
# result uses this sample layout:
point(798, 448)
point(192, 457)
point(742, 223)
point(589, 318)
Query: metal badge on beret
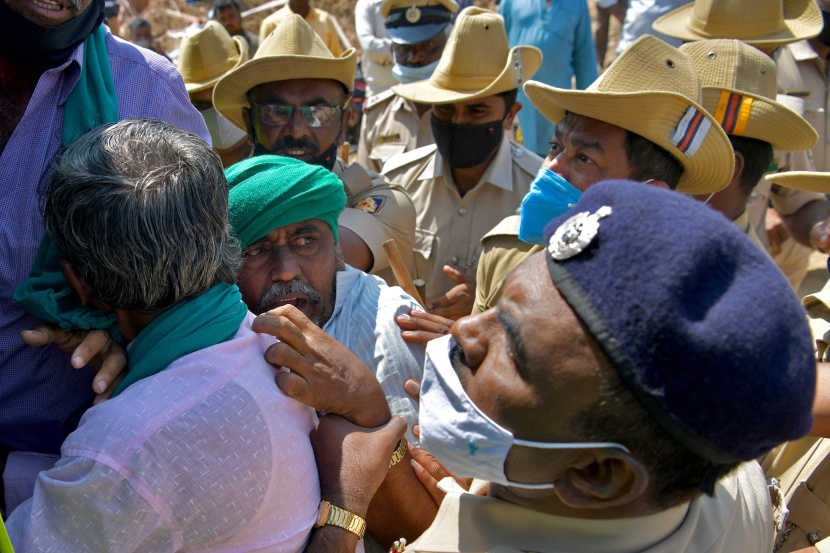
point(413, 14)
point(576, 234)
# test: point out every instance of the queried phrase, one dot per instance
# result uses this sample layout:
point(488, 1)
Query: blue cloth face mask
point(464, 439)
point(406, 74)
point(550, 196)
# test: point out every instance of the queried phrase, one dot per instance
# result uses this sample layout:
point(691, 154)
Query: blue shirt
point(563, 32)
point(41, 396)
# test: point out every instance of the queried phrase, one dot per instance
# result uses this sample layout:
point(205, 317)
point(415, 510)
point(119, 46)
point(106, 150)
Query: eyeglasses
point(275, 115)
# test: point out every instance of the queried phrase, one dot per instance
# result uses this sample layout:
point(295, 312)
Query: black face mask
point(824, 35)
point(22, 39)
point(326, 159)
point(466, 146)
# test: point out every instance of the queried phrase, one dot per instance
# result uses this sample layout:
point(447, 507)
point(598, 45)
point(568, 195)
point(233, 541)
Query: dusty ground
point(170, 16)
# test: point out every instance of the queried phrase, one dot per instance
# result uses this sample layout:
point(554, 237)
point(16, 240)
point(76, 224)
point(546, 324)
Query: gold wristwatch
point(335, 516)
point(400, 452)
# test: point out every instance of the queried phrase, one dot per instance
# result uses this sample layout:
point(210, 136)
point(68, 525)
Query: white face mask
point(223, 133)
point(405, 74)
point(463, 438)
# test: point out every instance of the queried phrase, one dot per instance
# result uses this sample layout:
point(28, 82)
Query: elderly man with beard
point(285, 213)
point(61, 74)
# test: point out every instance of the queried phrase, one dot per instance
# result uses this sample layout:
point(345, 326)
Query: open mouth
point(297, 153)
point(49, 7)
point(299, 302)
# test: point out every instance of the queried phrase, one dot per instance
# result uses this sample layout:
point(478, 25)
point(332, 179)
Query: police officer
point(473, 176)
point(393, 125)
point(291, 99)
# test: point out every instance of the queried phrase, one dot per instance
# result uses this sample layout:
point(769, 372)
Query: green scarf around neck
point(189, 326)
point(46, 294)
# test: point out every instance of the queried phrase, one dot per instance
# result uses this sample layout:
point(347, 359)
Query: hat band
point(733, 112)
point(736, 29)
point(691, 131)
point(397, 18)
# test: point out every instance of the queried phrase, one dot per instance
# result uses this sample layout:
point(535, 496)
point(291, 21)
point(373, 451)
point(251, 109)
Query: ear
point(511, 115)
point(602, 479)
point(249, 126)
point(85, 293)
point(740, 162)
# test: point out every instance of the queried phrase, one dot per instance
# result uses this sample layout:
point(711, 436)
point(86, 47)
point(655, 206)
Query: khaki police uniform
point(802, 467)
point(377, 211)
point(793, 258)
point(449, 227)
point(391, 126)
point(737, 518)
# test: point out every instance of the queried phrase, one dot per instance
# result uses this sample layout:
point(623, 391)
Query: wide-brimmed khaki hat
point(292, 51)
point(740, 84)
point(652, 89)
point(802, 180)
point(761, 23)
point(208, 54)
point(477, 62)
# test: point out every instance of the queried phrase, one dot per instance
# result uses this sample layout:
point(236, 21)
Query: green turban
point(268, 192)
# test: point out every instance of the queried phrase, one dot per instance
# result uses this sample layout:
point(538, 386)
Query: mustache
point(284, 288)
point(289, 142)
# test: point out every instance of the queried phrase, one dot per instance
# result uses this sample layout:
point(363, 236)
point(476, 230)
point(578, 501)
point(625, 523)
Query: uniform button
point(518, 152)
point(462, 210)
point(454, 260)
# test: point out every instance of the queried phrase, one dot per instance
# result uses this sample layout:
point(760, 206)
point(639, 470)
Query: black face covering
point(466, 146)
point(22, 39)
point(824, 35)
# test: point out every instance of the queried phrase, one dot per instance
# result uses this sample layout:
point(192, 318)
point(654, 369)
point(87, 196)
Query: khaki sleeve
point(378, 214)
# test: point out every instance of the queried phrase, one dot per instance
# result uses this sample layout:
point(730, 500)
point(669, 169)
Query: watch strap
point(335, 516)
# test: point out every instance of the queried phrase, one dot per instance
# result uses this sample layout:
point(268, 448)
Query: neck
point(731, 201)
point(131, 323)
point(17, 84)
point(467, 179)
point(548, 502)
point(301, 10)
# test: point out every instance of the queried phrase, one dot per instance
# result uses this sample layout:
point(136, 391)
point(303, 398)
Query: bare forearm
point(402, 507)
point(802, 221)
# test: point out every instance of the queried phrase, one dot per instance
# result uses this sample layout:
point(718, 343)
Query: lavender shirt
point(41, 396)
point(207, 455)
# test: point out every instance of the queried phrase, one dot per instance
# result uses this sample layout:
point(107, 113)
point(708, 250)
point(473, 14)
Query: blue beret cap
point(431, 21)
point(700, 324)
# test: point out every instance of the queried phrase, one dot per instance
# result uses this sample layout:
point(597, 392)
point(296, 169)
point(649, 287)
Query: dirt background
point(169, 18)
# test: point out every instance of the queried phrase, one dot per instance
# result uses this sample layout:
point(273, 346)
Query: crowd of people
point(542, 305)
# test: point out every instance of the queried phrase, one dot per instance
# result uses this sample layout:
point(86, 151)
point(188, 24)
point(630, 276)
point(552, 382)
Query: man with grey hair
point(198, 446)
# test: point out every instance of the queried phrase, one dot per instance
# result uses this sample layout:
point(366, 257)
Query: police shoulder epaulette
point(524, 158)
point(401, 160)
point(509, 226)
point(372, 101)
